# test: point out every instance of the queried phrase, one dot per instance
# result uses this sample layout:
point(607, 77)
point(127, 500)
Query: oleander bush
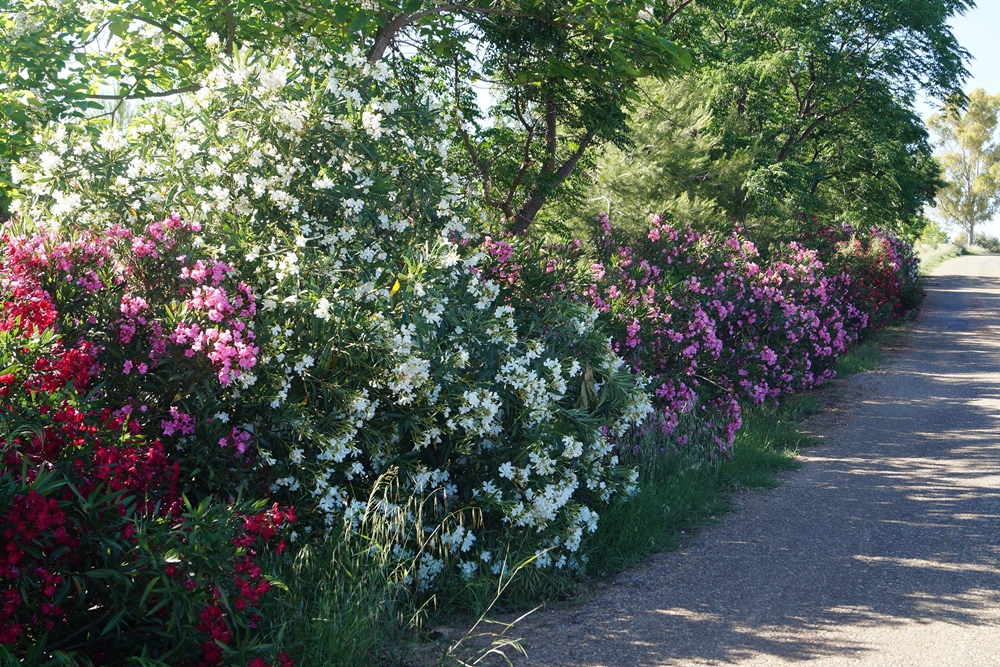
point(713, 324)
point(881, 271)
point(112, 547)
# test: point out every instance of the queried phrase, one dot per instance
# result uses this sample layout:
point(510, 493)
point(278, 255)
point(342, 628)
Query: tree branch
point(162, 93)
point(525, 158)
point(230, 31)
point(550, 133)
point(519, 176)
point(167, 29)
point(484, 169)
point(675, 11)
point(97, 35)
point(795, 137)
point(393, 25)
point(526, 214)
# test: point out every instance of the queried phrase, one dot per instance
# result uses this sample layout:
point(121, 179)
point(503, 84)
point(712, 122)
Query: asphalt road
point(883, 551)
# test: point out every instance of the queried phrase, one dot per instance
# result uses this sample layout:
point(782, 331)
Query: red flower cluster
point(248, 583)
point(283, 661)
point(28, 309)
point(265, 525)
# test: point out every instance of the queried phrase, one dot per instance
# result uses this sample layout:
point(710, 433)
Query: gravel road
point(883, 551)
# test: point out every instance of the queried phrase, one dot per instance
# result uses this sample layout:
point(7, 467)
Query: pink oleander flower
point(238, 439)
point(179, 422)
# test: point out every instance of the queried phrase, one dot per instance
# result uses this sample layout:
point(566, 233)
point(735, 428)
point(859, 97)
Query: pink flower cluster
point(237, 439)
point(503, 269)
point(225, 338)
point(61, 259)
point(215, 312)
point(160, 236)
point(178, 422)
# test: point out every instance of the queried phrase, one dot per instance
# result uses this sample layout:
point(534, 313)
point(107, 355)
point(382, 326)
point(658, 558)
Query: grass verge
point(679, 497)
point(932, 257)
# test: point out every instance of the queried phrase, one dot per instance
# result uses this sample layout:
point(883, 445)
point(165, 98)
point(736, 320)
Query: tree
point(820, 94)
point(566, 76)
point(674, 164)
point(970, 154)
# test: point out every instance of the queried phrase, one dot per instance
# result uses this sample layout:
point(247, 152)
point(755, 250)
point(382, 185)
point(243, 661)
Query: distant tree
point(819, 95)
point(969, 151)
point(674, 164)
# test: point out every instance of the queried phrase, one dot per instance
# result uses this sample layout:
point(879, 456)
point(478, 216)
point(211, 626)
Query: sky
point(979, 32)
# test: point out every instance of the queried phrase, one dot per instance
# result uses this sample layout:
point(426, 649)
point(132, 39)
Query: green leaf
point(148, 590)
point(342, 11)
point(118, 28)
point(115, 620)
point(359, 22)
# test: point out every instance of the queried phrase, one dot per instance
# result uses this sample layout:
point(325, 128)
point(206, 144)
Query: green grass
point(680, 495)
point(868, 354)
point(932, 257)
point(338, 604)
point(768, 445)
point(863, 357)
point(347, 601)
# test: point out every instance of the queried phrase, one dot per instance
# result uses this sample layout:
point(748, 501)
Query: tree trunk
point(383, 38)
point(537, 195)
point(526, 215)
point(972, 228)
point(230, 31)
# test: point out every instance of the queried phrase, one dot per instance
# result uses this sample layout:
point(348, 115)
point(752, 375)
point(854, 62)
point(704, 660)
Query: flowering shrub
point(714, 325)
point(102, 557)
point(885, 279)
point(323, 314)
point(881, 270)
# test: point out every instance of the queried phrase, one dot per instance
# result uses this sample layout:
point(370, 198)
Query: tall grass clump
point(933, 257)
point(348, 597)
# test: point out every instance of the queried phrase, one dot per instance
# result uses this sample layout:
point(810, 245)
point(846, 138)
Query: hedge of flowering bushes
point(712, 324)
point(715, 325)
point(223, 328)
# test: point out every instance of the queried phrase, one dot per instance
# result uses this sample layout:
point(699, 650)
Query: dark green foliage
point(793, 110)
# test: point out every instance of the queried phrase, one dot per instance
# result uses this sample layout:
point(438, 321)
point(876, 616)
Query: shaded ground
point(882, 551)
